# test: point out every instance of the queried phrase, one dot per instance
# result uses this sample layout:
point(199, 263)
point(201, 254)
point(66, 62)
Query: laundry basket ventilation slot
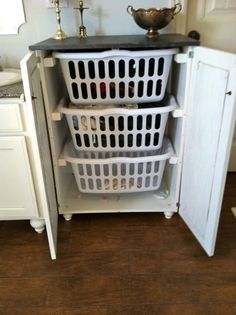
point(109, 132)
point(116, 76)
point(112, 172)
point(117, 130)
point(118, 177)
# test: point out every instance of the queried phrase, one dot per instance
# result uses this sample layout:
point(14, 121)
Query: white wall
point(104, 17)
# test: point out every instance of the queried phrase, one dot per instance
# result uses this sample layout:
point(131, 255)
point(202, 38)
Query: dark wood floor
point(119, 264)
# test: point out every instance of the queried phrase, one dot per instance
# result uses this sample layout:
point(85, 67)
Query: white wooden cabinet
point(17, 197)
point(18, 188)
point(200, 129)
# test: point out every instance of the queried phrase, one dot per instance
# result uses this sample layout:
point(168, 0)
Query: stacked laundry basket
point(117, 118)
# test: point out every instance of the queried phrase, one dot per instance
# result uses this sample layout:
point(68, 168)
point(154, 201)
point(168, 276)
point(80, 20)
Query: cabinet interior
point(70, 200)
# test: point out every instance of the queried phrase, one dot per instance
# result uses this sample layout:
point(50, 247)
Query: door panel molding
point(209, 132)
point(215, 7)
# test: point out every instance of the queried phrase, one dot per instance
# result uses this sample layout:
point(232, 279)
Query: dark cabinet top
point(115, 42)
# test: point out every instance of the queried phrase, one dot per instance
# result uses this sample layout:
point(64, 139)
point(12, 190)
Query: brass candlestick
point(59, 35)
point(82, 28)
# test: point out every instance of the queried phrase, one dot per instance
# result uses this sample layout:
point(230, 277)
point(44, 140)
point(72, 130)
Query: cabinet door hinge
point(178, 204)
point(23, 99)
point(183, 57)
point(191, 54)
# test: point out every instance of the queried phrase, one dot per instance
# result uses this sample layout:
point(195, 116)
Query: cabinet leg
point(168, 214)
point(38, 225)
point(68, 216)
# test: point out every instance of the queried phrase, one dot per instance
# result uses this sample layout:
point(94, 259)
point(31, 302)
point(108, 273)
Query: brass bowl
point(153, 19)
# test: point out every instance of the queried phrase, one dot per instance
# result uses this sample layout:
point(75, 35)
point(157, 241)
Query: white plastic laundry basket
point(100, 172)
point(116, 76)
point(117, 128)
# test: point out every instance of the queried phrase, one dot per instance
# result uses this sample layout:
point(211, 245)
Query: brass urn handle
point(130, 9)
point(177, 8)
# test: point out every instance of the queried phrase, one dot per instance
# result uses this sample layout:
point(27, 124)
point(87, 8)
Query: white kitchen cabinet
point(10, 117)
point(17, 197)
point(19, 189)
point(200, 130)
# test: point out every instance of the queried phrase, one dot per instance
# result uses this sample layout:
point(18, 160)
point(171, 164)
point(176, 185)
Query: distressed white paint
point(210, 118)
point(39, 148)
point(204, 143)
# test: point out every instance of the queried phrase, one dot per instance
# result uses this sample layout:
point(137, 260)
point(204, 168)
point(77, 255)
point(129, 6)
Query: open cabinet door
point(209, 129)
point(40, 146)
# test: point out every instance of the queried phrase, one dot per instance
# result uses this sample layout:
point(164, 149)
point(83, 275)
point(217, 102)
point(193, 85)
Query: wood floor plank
point(96, 310)
point(23, 291)
point(78, 222)
point(200, 288)
point(78, 264)
point(234, 309)
point(17, 237)
point(32, 310)
point(134, 264)
point(172, 309)
point(12, 266)
point(226, 237)
point(104, 290)
point(150, 309)
point(192, 309)
point(128, 221)
point(54, 311)
point(180, 260)
point(175, 238)
point(97, 240)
